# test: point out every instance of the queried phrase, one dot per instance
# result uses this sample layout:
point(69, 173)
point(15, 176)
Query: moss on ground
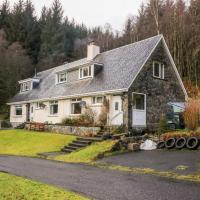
point(165, 174)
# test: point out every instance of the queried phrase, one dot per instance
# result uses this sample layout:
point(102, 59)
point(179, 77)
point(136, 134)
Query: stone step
point(66, 150)
point(77, 144)
point(89, 139)
point(71, 146)
point(82, 142)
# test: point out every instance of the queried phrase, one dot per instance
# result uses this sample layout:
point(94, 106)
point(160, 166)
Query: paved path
point(162, 160)
point(98, 183)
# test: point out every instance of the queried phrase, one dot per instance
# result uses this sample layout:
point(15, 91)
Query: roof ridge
point(160, 35)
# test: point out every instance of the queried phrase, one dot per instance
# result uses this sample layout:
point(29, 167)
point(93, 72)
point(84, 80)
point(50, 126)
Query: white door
point(139, 110)
point(116, 111)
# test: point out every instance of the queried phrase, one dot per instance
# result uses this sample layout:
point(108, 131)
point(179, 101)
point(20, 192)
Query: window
point(116, 106)
point(85, 72)
point(139, 101)
point(18, 110)
point(62, 77)
point(76, 106)
point(25, 86)
point(97, 100)
point(39, 105)
point(31, 109)
point(158, 70)
point(53, 107)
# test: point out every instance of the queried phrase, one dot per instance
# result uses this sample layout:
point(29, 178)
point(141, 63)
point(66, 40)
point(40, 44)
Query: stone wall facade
point(74, 130)
point(158, 91)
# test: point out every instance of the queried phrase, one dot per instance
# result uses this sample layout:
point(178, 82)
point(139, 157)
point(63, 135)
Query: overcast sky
point(95, 12)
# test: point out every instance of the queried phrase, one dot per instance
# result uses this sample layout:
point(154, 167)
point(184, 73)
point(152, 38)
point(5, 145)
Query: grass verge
point(13, 187)
point(88, 154)
point(30, 143)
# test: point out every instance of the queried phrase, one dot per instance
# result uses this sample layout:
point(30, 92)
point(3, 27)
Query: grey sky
point(95, 12)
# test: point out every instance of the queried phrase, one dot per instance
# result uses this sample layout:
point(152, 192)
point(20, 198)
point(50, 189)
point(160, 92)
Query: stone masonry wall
point(158, 92)
point(75, 130)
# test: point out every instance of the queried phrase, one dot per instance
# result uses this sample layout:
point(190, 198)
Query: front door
point(116, 111)
point(28, 112)
point(139, 110)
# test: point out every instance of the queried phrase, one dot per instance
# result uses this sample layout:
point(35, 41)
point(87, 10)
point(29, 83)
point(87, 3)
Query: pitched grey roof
point(121, 66)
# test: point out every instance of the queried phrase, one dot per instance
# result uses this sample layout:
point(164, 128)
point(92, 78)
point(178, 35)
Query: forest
point(30, 43)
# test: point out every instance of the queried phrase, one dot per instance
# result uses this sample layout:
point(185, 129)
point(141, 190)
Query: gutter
point(72, 96)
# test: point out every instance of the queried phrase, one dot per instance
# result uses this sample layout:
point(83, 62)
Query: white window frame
point(18, 106)
point(25, 86)
point(94, 100)
point(161, 70)
point(53, 103)
point(90, 72)
point(59, 78)
point(37, 106)
point(74, 101)
point(145, 101)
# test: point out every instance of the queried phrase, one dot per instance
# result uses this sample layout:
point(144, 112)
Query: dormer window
point(158, 70)
point(85, 72)
point(62, 77)
point(25, 86)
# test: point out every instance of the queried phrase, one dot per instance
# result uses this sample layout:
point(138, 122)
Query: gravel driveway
point(98, 183)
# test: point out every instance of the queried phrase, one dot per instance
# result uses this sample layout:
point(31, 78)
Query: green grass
point(17, 188)
point(88, 154)
point(30, 143)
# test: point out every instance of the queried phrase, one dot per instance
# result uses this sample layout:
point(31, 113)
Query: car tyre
point(161, 145)
point(170, 143)
point(181, 143)
point(192, 143)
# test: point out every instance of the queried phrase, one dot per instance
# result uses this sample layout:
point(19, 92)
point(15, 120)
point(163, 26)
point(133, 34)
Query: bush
point(70, 121)
point(119, 129)
point(104, 112)
point(192, 114)
point(5, 124)
point(86, 119)
point(162, 126)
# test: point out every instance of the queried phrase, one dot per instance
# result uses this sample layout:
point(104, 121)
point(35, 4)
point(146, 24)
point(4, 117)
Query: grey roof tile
point(121, 66)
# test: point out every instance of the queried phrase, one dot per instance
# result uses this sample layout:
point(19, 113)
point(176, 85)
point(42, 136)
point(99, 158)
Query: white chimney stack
point(92, 51)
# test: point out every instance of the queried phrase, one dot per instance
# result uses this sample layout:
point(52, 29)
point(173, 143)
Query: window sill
point(97, 105)
point(156, 77)
point(75, 115)
point(87, 77)
point(56, 115)
point(64, 82)
point(17, 116)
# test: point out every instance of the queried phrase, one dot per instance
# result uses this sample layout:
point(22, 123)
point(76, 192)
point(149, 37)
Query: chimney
point(92, 50)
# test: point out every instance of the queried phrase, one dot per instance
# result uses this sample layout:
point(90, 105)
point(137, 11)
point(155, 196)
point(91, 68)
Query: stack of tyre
point(180, 143)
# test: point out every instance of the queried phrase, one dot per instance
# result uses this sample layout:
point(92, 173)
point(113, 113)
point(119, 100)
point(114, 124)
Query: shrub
point(70, 121)
point(162, 126)
point(119, 129)
point(192, 114)
point(104, 112)
point(5, 124)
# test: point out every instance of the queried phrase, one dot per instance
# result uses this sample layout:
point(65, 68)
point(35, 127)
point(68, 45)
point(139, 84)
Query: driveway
point(100, 184)
point(163, 160)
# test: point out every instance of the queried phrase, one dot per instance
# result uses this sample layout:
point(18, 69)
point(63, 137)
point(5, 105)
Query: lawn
point(88, 154)
point(30, 143)
point(17, 188)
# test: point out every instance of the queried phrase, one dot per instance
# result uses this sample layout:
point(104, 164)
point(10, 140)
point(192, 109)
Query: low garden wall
point(75, 130)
